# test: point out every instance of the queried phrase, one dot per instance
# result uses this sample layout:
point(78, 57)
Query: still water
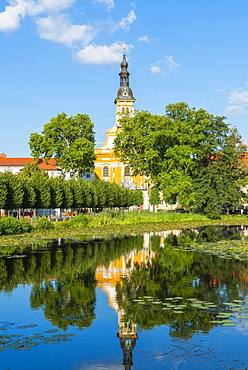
point(134, 303)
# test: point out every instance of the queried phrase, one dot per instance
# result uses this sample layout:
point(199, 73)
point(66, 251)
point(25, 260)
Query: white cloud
point(108, 3)
point(156, 70)
point(59, 30)
point(41, 6)
point(10, 19)
point(101, 54)
point(163, 67)
point(16, 10)
point(126, 22)
point(237, 101)
point(172, 65)
point(145, 39)
point(53, 25)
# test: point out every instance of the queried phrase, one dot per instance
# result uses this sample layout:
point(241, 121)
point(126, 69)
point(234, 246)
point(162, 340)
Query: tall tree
point(193, 156)
point(3, 192)
point(154, 197)
point(69, 139)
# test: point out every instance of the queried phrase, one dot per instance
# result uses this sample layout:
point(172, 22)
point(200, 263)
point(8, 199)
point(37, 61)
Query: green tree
point(193, 156)
point(70, 139)
point(31, 169)
point(138, 198)
point(18, 193)
point(57, 192)
point(154, 197)
point(41, 185)
point(68, 195)
point(29, 196)
point(3, 192)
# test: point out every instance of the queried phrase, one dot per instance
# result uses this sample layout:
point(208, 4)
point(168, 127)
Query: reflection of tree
point(213, 233)
point(67, 302)
point(63, 278)
point(178, 273)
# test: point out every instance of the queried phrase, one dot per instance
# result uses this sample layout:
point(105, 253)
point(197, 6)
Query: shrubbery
point(43, 224)
point(13, 226)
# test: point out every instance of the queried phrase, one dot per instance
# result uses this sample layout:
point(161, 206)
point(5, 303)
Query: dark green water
point(132, 303)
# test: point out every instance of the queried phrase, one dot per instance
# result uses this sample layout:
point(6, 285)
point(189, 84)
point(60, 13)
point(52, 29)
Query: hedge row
point(39, 191)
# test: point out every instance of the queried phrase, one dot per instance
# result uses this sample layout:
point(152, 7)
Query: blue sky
point(63, 55)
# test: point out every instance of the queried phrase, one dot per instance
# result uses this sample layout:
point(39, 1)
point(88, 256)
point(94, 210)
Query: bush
point(213, 216)
point(26, 225)
point(13, 226)
point(78, 222)
point(43, 224)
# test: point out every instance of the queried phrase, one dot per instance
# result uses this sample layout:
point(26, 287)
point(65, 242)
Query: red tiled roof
point(50, 165)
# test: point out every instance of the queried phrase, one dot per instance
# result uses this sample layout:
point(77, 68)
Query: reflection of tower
point(108, 277)
point(127, 344)
point(127, 335)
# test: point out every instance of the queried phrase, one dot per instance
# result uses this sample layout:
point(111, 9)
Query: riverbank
point(110, 225)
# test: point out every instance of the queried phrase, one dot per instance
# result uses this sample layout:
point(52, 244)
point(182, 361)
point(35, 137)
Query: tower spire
point(124, 92)
point(124, 100)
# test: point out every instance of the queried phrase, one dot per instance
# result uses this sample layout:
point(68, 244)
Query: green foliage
point(25, 225)
point(32, 169)
point(70, 139)
point(56, 192)
point(41, 186)
point(13, 226)
point(3, 192)
point(193, 156)
point(154, 196)
point(78, 222)
point(43, 224)
point(38, 191)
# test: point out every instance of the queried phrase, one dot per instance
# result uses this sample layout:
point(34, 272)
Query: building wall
point(17, 169)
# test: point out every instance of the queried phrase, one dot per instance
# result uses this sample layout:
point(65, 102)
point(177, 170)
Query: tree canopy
point(191, 155)
point(36, 190)
point(69, 139)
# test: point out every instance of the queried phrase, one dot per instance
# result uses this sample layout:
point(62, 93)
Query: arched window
point(105, 171)
point(123, 110)
point(127, 171)
point(127, 111)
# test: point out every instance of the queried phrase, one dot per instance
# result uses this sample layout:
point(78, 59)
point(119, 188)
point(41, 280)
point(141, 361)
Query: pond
point(139, 302)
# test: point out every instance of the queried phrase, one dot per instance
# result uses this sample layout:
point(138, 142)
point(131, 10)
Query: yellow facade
point(107, 166)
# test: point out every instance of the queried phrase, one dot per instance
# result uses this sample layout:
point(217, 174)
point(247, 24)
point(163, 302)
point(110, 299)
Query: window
point(127, 171)
point(105, 171)
point(123, 110)
point(127, 111)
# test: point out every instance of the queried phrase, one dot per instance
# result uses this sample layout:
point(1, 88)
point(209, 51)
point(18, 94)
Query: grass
point(111, 224)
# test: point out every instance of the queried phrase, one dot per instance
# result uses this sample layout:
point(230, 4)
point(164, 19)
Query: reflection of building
point(108, 277)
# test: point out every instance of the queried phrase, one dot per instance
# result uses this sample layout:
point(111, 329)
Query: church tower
point(107, 166)
point(124, 100)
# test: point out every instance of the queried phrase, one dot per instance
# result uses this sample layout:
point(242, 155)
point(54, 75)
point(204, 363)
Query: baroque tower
point(124, 100)
point(107, 166)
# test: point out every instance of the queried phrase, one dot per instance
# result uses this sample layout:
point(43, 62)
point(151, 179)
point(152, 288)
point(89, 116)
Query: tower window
point(123, 110)
point(127, 111)
point(127, 171)
point(105, 171)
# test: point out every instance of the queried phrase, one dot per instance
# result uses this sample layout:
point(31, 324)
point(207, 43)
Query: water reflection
point(63, 282)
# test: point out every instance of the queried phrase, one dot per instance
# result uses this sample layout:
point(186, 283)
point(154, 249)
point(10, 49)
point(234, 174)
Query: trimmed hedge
point(38, 191)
